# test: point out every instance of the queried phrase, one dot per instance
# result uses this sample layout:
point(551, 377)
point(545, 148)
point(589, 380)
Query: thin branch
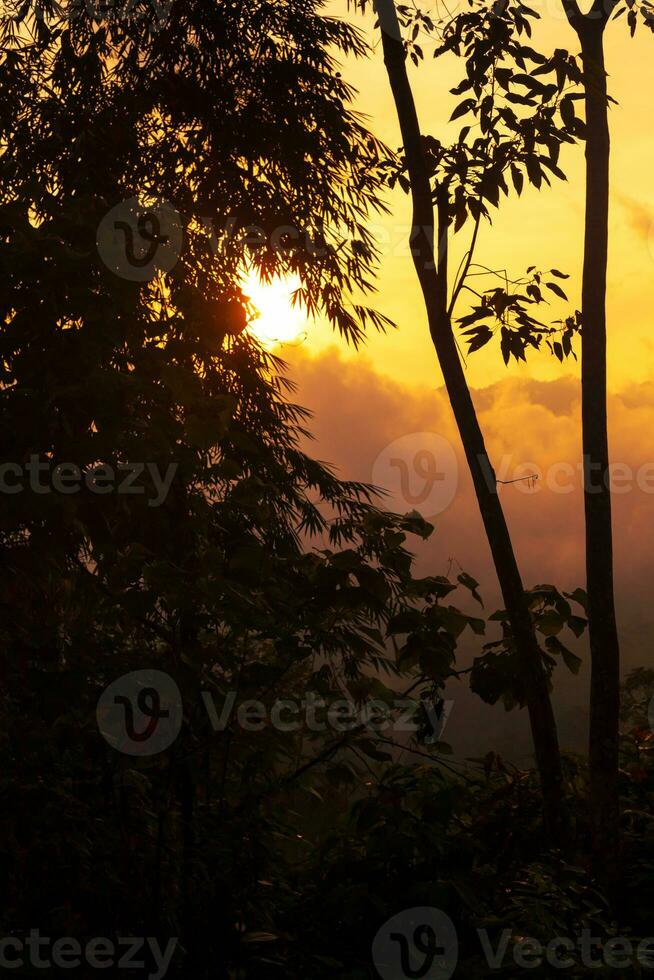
point(466, 267)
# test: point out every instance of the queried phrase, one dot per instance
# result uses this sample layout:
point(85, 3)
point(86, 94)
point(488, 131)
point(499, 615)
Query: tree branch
point(600, 12)
point(466, 266)
point(573, 13)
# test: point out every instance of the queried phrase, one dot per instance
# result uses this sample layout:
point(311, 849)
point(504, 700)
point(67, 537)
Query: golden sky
point(542, 228)
point(530, 426)
point(365, 404)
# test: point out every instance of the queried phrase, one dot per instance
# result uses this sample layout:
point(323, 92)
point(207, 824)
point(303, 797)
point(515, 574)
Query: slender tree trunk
point(604, 644)
point(433, 277)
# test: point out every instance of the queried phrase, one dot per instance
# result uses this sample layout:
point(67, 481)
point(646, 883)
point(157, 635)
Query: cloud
point(530, 426)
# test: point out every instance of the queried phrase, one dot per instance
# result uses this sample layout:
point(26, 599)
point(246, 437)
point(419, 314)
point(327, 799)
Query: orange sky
point(360, 413)
point(363, 402)
point(542, 228)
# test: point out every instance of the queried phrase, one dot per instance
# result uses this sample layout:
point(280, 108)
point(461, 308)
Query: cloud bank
point(364, 424)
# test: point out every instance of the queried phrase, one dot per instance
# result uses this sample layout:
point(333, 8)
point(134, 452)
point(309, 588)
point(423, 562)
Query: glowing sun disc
point(278, 322)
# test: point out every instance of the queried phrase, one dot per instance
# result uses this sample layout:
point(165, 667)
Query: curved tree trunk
point(433, 277)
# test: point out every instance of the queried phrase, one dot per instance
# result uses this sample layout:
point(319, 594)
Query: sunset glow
point(278, 320)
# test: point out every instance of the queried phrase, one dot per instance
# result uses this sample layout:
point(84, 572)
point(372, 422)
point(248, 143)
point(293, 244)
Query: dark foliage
point(259, 574)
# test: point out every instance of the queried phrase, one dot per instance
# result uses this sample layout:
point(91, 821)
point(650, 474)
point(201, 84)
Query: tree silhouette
point(466, 179)
point(111, 367)
point(604, 641)
point(160, 517)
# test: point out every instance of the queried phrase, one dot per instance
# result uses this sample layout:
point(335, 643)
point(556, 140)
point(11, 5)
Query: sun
point(278, 320)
